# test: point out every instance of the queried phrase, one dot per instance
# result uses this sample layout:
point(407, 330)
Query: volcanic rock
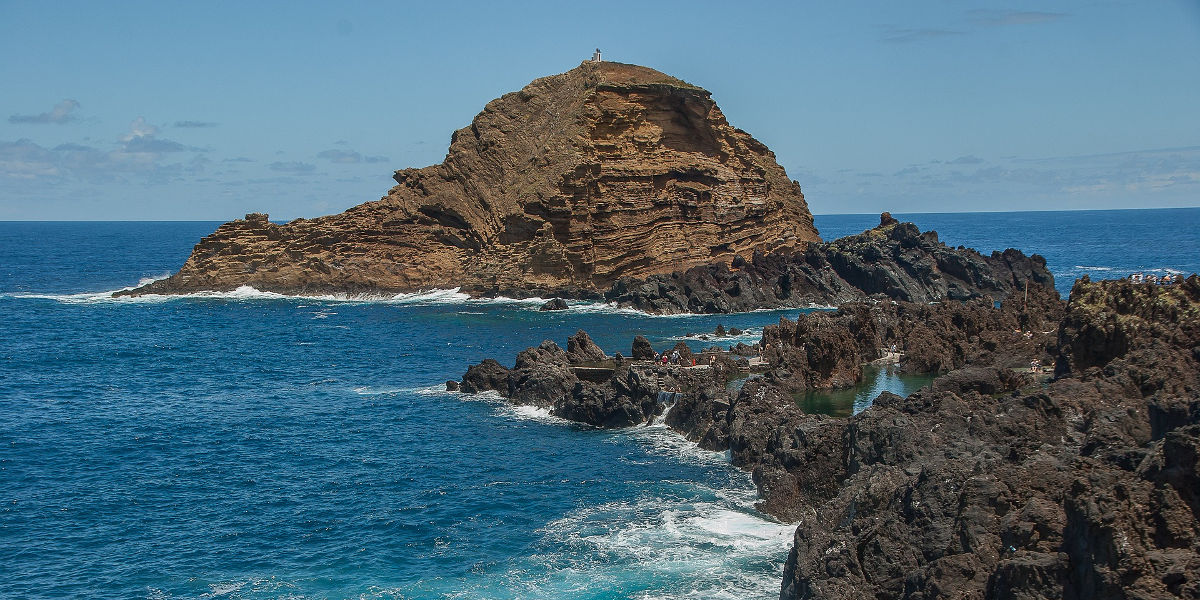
point(894, 260)
point(642, 350)
point(986, 483)
point(581, 349)
point(577, 180)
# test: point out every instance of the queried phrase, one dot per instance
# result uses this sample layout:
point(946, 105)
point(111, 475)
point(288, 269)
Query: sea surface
point(251, 445)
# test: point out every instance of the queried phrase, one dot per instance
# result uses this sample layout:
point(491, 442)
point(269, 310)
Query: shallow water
point(853, 400)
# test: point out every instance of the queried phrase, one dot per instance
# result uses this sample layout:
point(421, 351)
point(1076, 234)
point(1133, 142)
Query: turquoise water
point(247, 445)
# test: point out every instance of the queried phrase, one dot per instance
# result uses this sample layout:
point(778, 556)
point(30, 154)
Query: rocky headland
point(577, 180)
point(993, 481)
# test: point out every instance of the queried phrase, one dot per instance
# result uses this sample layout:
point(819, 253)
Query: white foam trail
point(376, 391)
point(449, 296)
point(609, 308)
point(1087, 268)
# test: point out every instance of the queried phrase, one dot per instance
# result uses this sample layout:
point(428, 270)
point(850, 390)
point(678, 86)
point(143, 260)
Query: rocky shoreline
point(992, 481)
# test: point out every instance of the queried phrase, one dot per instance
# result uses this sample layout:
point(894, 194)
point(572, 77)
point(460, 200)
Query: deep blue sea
point(249, 445)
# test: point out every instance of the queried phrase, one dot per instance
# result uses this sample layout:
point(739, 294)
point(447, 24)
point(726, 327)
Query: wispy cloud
point(969, 159)
point(194, 124)
point(1129, 172)
point(897, 35)
point(143, 138)
point(349, 157)
point(137, 156)
point(996, 17)
point(295, 167)
point(27, 160)
point(61, 113)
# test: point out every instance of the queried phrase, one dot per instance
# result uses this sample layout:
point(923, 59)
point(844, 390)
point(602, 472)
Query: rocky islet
point(604, 172)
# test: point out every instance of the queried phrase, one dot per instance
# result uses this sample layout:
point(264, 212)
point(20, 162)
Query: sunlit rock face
point(606, 171)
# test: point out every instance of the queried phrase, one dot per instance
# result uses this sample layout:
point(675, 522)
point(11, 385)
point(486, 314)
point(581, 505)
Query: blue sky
point(209, 110)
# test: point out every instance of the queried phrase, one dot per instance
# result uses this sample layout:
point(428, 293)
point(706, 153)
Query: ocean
point(251, 445)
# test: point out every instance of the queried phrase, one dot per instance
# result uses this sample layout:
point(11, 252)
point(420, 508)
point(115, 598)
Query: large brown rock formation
point(606, 171)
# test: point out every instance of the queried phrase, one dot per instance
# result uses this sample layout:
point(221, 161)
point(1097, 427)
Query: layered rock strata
point(606, 171)
point(894, 260)
point(988, 483)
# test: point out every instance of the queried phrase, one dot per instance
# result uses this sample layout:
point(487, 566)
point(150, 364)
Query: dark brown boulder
point(486, 376)
point(581, 349)
point(642, 350)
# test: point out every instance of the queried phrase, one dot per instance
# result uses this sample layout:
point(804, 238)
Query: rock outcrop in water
point(987, 483)
point(894, 260)
point(577, 180)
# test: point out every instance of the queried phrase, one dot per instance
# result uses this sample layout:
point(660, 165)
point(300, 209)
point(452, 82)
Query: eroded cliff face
point(606, 171)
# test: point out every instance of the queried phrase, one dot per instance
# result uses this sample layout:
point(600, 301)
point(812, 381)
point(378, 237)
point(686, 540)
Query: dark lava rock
point(488, 375)
point(555, 304)
point(542, 376)
point(894, 260)
point(984, 486)
point(986, 483)
point(452, 386)
point(581, 349)
point(685, 353)
point(642, 350)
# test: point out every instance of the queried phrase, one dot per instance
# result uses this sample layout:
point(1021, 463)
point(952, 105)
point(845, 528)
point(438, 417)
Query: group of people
point(674, 358)
point(1168, 279)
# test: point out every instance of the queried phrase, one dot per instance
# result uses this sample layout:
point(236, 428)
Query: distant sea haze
point(250, 445)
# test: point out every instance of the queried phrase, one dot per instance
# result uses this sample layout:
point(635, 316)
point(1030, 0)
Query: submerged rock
point(555, 304)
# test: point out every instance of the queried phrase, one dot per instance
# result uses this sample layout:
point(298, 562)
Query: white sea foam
point(532, 413)
point(609, 308)
point(720, 548)
point(1088, 268)
point(668, 443)
point(451, 296)
point(749, 335)
point(429, 390)
point(435, 297)
point(380, 391)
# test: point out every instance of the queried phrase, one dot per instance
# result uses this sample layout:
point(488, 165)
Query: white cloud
point(61, 113)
